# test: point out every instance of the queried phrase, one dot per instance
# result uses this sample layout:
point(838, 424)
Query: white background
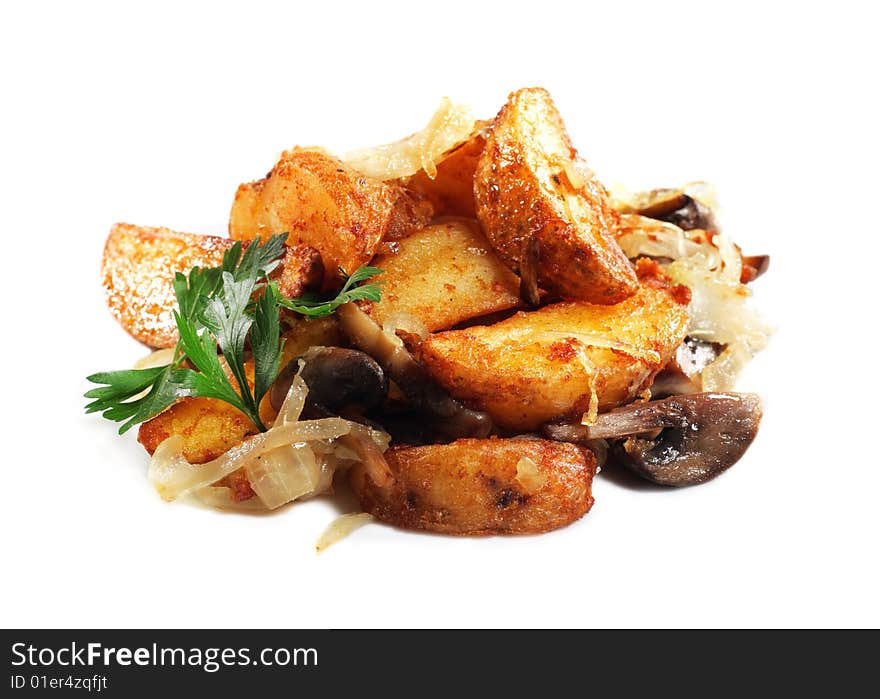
point(152, 113)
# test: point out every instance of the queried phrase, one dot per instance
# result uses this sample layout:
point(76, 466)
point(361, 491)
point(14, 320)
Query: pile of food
point(465, 323)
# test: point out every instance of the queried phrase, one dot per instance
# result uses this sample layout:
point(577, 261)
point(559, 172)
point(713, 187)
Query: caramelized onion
point(341, 527)
point(160, 357)
point(292, 406)
point(640, 235)
point(718, 309)
point(173, 476)
point(451, 124)
point(529, 476)
point(220, 498)
point(711, 266)
point(284, 474)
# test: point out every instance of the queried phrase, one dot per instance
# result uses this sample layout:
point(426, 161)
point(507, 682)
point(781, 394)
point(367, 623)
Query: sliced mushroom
point(753, 266)
point(341, 382)
point(692, 215)
point(673, 206)
point(683, 440)
point(655, 203)
point(449, 418)
point(688, 213)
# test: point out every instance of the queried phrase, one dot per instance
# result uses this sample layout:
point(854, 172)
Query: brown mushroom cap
point(682, 440)
point(674, 206)
point(753, 266)
point(340, 381)
point(691, 215)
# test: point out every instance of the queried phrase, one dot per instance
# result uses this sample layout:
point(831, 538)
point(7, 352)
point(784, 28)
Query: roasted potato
point(210, 427)
point(139, 265)
point(530, 183)
point(481, 486)
point(322, 202)
point(304, 333)
point(451, 190)
point(443, 275)
point(538, 366)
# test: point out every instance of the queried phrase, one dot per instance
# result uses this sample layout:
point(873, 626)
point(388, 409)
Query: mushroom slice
point(655, 203)
point(683, 440)
point(753, 266)
point(450, 419)
point(673, 206)
point(341, 382)
point(690, 215)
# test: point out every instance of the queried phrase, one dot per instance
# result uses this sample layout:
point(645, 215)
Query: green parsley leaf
point(313, 306)
point(228, 320)
point(266, 345)
point(209, 379)
point(202, 284)
point(260, 258)
point(193, 292)
point(118, 401)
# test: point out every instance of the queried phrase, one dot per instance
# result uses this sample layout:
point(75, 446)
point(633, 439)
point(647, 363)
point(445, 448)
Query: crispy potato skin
point(536, 366)
point(211, 427)
point(304, 333)
point(470, 487)
point(451, 191)
point(523, 189)
point(208, 427)
point(324, 203)
point(444, 274)
point(139, 265)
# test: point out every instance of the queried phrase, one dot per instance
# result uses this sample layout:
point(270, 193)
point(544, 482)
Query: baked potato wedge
point(530, 184)
point(442, 275)
point(481, 486)
point(451, 190)
point(209, 428)
point(536, 367)
point(322, 202)
point(138, 271)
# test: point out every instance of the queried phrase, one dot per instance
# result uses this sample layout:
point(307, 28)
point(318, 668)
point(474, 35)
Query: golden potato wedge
point(324, 203)
point(443, 275)
point(530, 183)
point(539, 366)
point(209, 427)
point(482, 486)
point(304, 333)
point(139, 265)
point(451, 190)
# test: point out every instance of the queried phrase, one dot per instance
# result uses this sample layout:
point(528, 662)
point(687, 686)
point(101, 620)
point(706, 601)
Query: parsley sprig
point(312, 306)
point(221, 312)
